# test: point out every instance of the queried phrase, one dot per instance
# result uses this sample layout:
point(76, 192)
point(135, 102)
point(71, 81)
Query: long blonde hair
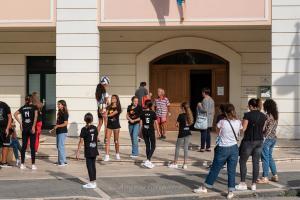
point(189, 114)
point(36, 101)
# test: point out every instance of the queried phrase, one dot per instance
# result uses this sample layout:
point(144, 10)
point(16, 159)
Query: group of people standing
point(144, 116)
point(29, 117)
point(259, 128)
point(30, 125)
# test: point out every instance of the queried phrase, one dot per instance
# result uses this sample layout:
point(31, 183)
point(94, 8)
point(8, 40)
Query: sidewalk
point(126, 179)
point(285, 150)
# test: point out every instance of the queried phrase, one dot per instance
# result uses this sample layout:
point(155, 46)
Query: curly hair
point(270, 107)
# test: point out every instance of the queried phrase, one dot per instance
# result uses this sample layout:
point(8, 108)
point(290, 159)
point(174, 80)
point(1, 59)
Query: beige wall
point(286, 65)
point(14, 47)
point(119, 50)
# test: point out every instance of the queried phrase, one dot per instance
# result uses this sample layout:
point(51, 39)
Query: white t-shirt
point(226, 135)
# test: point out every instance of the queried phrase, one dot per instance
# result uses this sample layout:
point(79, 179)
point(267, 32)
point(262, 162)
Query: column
point(286, 65)
point(77, 55)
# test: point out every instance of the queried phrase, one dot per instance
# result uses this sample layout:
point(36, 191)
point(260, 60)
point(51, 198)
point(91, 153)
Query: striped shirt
point(161, 106)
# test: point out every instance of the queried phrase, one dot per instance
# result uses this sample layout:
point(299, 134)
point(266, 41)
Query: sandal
point(275, 178)
point(263, 180)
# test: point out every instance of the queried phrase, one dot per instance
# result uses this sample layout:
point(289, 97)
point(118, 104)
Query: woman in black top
point(113, 126)
point(184, 121)
point(61, 131)
point(134, 112)
point(253, 124)
point(29, 115)
point(89, 136)
point(148, 119)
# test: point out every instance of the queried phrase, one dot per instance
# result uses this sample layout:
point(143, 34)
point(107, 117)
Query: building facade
point(239, 48)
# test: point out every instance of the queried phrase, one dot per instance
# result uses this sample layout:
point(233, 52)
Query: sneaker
point(275, 178)
point(106, 158)
point(230, 195)
point(62, 165)
point(253, 187)
point(184, 166)
point(4, 165)
point(118, 157)
point(144, 163)
point(150, 165)
point(22, 166)
point(241, 187)
point(133, 157)
point(200, 190)
point(18, 163)
point(90, 186)
point(33, 167)
point(202, 150)
point(173, 166)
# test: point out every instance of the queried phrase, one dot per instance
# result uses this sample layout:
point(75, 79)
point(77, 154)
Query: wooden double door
point(184, 83)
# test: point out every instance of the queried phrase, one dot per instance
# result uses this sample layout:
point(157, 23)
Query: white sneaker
point(22, 166)
point(230, 195)
point(200, 190)
point(144, 163)
point(118, 157)
point(184, 166)
point(18, 162)
point(106, 158)
point(90, 186)
point(241, 187)
point(133, 157)
point(150, 165)
point(33, 167)
point(253, 187)
point(62, 165)
point(173, 166)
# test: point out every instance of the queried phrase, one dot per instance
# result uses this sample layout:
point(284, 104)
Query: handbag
point(201, 121)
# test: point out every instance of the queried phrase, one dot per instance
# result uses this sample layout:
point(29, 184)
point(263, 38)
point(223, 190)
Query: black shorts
point(99, 113)
point(113, 124)
point(4, 139)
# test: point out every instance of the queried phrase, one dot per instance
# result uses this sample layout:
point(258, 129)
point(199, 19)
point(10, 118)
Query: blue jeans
point(15, 144)
point(224, 155)
point(267, 158)
point(134, 134)
point(205, 138)
point(60, 145)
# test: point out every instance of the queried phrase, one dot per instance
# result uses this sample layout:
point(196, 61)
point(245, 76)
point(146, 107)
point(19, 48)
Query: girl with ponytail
point(184, 121)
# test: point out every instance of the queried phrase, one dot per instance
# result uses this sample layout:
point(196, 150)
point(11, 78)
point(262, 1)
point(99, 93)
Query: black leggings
point(254, 149)
point(91, 167)
point(27, 134)
point(150, 141)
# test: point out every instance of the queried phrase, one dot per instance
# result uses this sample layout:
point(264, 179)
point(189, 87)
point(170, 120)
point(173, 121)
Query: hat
point(104, 80)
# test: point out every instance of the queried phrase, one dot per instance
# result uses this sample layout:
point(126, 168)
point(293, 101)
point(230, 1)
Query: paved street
point(127, 180)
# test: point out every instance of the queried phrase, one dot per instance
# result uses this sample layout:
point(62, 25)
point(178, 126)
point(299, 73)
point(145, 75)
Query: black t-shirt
point(148, 118)
point(184, 129)
point(114, 118)
point(61, 118)
point(28, 113)
point(90, 138)
point(256, 121)
point(4, 112)
point(134, 113)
